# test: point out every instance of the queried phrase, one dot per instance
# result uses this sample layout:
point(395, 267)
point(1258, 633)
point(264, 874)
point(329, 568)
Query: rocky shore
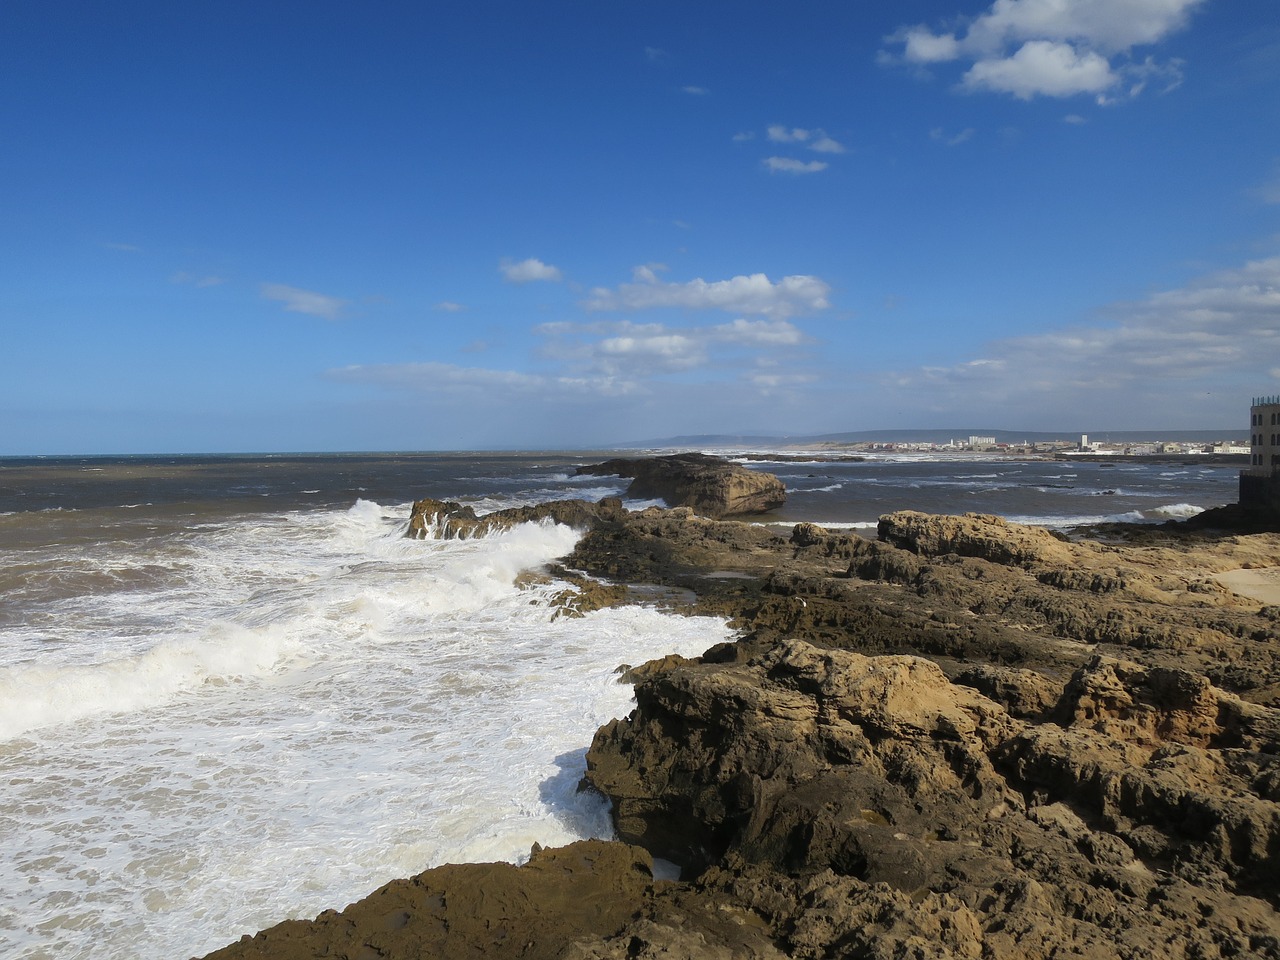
point(965, 738)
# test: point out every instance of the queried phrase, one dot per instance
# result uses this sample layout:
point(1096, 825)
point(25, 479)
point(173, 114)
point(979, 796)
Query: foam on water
point(321, 705)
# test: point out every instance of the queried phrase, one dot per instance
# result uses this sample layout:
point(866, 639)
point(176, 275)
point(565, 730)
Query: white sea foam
point(1176, 511)
point(319, 705)
point(825, 524)
point(38, 696)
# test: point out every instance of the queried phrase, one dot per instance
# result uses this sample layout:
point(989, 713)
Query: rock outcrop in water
point(965, 739)
point(710, 486)
point(447, 520)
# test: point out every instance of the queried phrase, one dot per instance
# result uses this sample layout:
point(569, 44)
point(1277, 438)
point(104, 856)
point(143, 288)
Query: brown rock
point(481, 910)
point(711, 486)
point(446, 520)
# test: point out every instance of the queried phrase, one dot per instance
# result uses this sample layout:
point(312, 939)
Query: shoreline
point(1026, 622)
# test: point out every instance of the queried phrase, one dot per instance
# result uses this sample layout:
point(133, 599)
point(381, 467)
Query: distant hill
point(745, 441)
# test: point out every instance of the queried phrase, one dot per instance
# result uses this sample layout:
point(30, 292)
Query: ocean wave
point(38, 696)
point(1175, 511)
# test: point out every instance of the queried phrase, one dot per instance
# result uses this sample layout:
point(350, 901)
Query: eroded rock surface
point(710, 486)
point(871, 801)
point(967, 590)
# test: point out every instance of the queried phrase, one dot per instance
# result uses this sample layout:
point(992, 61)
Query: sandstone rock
point(1025, 694)
point(804, 757)
point(869, 807)
point(973, 535)
point(711, 486)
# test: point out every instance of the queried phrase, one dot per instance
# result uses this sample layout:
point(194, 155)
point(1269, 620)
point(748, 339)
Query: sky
point(309, 225)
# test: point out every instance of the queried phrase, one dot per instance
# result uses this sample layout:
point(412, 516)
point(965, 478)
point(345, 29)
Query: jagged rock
point(447, 520)
point(746, 758)
point(711, 486)
point(1026, 694)
point(860, 805)
point(1043, 603)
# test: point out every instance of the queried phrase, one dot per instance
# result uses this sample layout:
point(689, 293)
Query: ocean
point(233, 692)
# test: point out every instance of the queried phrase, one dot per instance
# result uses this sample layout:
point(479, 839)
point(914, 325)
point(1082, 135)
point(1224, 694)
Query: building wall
point(1260, 494)
point(1264, 436)
point(1260, 481)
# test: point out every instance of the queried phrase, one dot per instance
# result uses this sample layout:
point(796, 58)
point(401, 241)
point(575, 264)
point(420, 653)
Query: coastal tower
point(1264, 440)
point(1260, 481)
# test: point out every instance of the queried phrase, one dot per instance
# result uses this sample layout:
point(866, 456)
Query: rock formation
point(447, 520)
point(1148, 814)
point(966, 739)
point(711, 486)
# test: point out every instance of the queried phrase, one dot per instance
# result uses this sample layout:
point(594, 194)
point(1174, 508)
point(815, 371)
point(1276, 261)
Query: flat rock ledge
point(710, 486)
point(966, 739)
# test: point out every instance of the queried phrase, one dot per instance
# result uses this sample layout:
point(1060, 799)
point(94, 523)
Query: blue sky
point(315, 225)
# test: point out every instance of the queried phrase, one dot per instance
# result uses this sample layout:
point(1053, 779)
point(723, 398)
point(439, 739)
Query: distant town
point(1081, 447)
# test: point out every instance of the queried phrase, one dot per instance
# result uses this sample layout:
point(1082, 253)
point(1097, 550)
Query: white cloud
point(303, 301)
point(1074, 118)
point(1217, 334)
point(791, 165)
point(648, 272)
point(696, 91)
point(754, 294)
point(1058, 48)
point(525, 271)
point(1042, 67)
point(764, 333)
point(920, 45)
point(817, 140)
point(667, 351)
point(1112, 26)
point(620, 348)
point(744, 136)
point(448, 306)
point(477, 382)
point(780, 134)
point(825, 144)
point(952, 140)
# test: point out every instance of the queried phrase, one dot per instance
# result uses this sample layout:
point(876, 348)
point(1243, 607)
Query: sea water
point(232, 691)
